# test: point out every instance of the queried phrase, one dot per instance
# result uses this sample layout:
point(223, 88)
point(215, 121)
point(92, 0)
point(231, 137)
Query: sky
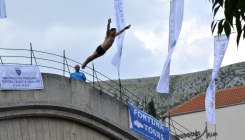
point(79, 27)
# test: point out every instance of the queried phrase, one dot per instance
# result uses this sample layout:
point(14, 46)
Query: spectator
point(78, 75)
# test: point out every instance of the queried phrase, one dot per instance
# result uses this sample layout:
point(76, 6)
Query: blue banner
point(146, 126)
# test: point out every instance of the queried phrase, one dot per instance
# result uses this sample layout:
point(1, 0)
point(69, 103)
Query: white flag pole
point(120, 24)
point(220, 47)
point(2, 9)
point(175, 23)
point(169, 70)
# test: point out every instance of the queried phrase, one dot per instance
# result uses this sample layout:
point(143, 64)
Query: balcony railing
point(62, 65)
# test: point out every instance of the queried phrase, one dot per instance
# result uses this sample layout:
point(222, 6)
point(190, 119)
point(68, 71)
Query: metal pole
point(173, 127)
point(169, 64)
point(67, 66)
point(64, 63)
point(169, 112)
point(120, 86)
point(34, 57)
point(215, 131)
point(31, 52)
point(1, 60)
point(93, 74)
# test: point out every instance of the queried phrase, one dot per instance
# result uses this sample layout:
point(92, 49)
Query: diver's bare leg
point(90, 58)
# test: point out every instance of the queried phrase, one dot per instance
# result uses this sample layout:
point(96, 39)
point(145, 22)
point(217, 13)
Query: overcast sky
point(78, 27)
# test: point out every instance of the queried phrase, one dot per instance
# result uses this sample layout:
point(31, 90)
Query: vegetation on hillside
point(182, 87)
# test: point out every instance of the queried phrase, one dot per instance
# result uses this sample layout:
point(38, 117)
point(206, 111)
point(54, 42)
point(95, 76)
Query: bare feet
point(83, 65)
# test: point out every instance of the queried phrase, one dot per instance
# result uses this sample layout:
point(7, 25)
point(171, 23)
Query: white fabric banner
point(176, 18)
point(221, 44)
point(2, 9)
point(120, 24)
point(20, 77)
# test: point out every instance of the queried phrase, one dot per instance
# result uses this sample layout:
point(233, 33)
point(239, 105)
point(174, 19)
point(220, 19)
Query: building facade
point(189, 119)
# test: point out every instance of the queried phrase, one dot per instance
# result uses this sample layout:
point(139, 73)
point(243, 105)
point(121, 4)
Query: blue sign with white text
point(147, 126)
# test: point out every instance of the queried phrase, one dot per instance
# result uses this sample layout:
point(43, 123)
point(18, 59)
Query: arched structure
point(65, 109)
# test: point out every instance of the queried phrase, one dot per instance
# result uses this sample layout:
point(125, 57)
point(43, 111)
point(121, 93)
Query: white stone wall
point(230, 123)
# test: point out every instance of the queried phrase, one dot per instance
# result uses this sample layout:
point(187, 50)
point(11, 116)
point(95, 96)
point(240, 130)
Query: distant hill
point(185, 86)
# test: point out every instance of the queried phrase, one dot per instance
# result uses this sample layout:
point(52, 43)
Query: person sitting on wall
point(78, 75)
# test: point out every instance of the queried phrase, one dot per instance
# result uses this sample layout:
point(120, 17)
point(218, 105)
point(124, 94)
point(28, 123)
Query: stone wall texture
point(66, 109)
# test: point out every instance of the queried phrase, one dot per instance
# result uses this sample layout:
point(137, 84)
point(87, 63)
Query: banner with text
point(120, 24)
point(221, 44)
point(176, 18)
point(2, 9)
point(20, 77)
point(146, 126)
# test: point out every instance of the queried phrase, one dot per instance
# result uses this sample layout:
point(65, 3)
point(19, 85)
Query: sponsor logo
point(138, 124)
point(18, 70)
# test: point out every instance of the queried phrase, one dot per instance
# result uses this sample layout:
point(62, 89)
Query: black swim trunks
point(99, 50)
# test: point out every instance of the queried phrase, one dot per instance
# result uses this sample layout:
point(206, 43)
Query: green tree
point(151, 108)
point(234, 12)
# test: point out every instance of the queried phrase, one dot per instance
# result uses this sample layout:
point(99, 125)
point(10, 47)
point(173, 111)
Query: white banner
point(2, 9)
point(120, 24)
point(20, 77)
point(221, 44)
point(176, 18)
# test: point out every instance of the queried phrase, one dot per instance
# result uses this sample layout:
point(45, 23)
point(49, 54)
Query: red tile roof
point(224, 97)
